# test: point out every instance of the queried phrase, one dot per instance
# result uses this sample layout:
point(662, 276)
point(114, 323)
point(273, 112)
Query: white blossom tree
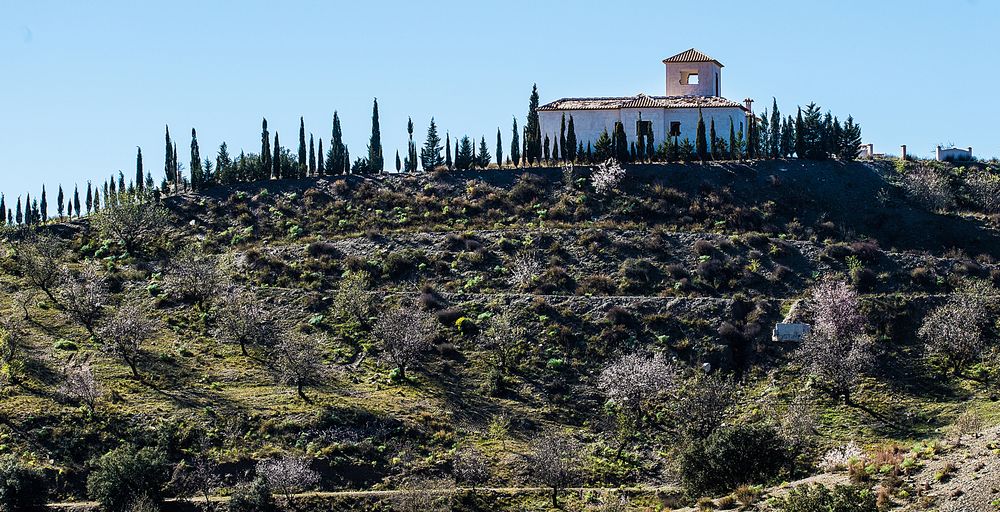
point(194, 277)
point(244, 320)
point(124, 333)
point(298, 361)
point(554, 462)
point(287, 475)
point(404, 335)
point(607, 176)
point(80, 385)
point(83, 296)
point(957, 331)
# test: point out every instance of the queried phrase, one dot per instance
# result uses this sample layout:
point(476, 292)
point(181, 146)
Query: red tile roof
point(691, 55)
point(640, 101)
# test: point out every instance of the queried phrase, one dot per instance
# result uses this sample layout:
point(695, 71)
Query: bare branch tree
point(244, 320)
point(956, 331)
point(83, 296)
point(524, 268)
point(404, 335)
point(37, 259)
point(126, 331)
point(353, 300)
point(929, 187)
point(194, 277)
point(701, 404)
point(504, 337)
point(298, 361)
point(287, 475)
point(197, 477)
point(472, 468)
point(13, 356)
point(135, 221)
point(554, 462)
point(80, 385)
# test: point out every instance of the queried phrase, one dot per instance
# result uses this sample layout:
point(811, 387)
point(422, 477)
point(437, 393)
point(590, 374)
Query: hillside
point(526, 287)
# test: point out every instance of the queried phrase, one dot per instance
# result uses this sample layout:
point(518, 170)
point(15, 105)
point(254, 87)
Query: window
point(643, 128)
point(675, 129)
point(691, 79)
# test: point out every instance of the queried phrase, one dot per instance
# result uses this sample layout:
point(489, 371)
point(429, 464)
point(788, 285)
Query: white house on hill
point(694, 82)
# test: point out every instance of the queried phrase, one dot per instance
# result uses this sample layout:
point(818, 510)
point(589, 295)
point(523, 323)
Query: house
point(953, 154)
point(693, 86)
point(787, 331)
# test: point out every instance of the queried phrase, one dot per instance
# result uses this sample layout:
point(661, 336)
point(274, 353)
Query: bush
point(21, 487)
point(842, 498)
point(125, 475)
point(732, 456)
point(252, 496)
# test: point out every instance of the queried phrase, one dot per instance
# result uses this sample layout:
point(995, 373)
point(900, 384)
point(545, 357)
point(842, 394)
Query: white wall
point(589, 124)
point(707, 76)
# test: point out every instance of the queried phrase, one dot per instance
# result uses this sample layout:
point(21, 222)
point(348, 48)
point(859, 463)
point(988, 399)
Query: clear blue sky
point(83, 83)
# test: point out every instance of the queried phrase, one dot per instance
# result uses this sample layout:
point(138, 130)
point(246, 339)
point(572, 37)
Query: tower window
point(643, 128)
point(691, 79)
point(675, 129)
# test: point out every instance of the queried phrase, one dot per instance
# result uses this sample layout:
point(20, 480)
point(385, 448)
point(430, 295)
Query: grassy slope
point(203, 385)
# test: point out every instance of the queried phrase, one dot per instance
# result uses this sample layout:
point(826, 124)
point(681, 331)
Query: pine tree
point(224, 166)
point(375, 161)
point(44, 206)
point(447, 150)
point(515, 146)
point(276, 159)
point(827, 136)
point(499, 150)
point(571, 140)
point(303, 161)
point(850, 142)
point(464, 154)
point(700, 144)
point(533, 137)
point(604, 148)
point(399, 164)
point(138, 171)
point(266, 167)
point(484, 156)
point(562, 138)
point(35, 215)
point(812, 133)
point(197, 176)
point(312, 155)
point(430, 155)
point(320, 168)
point(76, 199)
point(208, 170)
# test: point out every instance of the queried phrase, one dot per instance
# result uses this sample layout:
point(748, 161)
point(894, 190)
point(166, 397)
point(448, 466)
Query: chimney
point(937, 154)
point(970, 152)
point(902, 152)
point(748, 103)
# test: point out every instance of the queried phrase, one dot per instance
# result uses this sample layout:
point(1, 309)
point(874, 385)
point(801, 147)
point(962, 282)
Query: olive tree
point(957, 331)
point(404, 334)
point(124, 334)
point(135, 221)
point(83, 296)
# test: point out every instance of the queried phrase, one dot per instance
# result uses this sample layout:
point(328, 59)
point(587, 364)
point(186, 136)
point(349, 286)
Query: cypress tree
point(90, 198)
point(411, 148)
point(800, 145)
point(447, 150)
point(515, 146)
point(114, 190)
point(621, 143)
point(430, 155)
point(312, 155)
point(168, 159)
point(97, 200)
point(177, 170)
point(640, 147)
point(44, 206)
point(499, 150)
point(76, 199)
point(571, 140)
point(197, 174)
point(266, 168)
point(60, 203)
point(633, 154)
point(650, 146)
point(3, 210)
point(35, 215)
point(303, 162)
point(775, 147)
point(545, 151)
point(276, 159)
point(375, 161)
point(764, 136)
point(337, 154)
point(456, 153)
point(139, 174)
point(399, 165)
point(484, 156)
point(714, 139)
point(700, 144)
point(533, 137)
point(562, 138)
point(320, 169)
point(20, 216)
point(827, 135)
point(347, 160)
point(734, 150)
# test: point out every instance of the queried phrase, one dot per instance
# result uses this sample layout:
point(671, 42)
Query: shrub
point(252, 496)
point(125, 475)
point(21, 487)
point(597, 285)
point(317, 249)
point(703, 248)
point(731, 456)
point(842, 498)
